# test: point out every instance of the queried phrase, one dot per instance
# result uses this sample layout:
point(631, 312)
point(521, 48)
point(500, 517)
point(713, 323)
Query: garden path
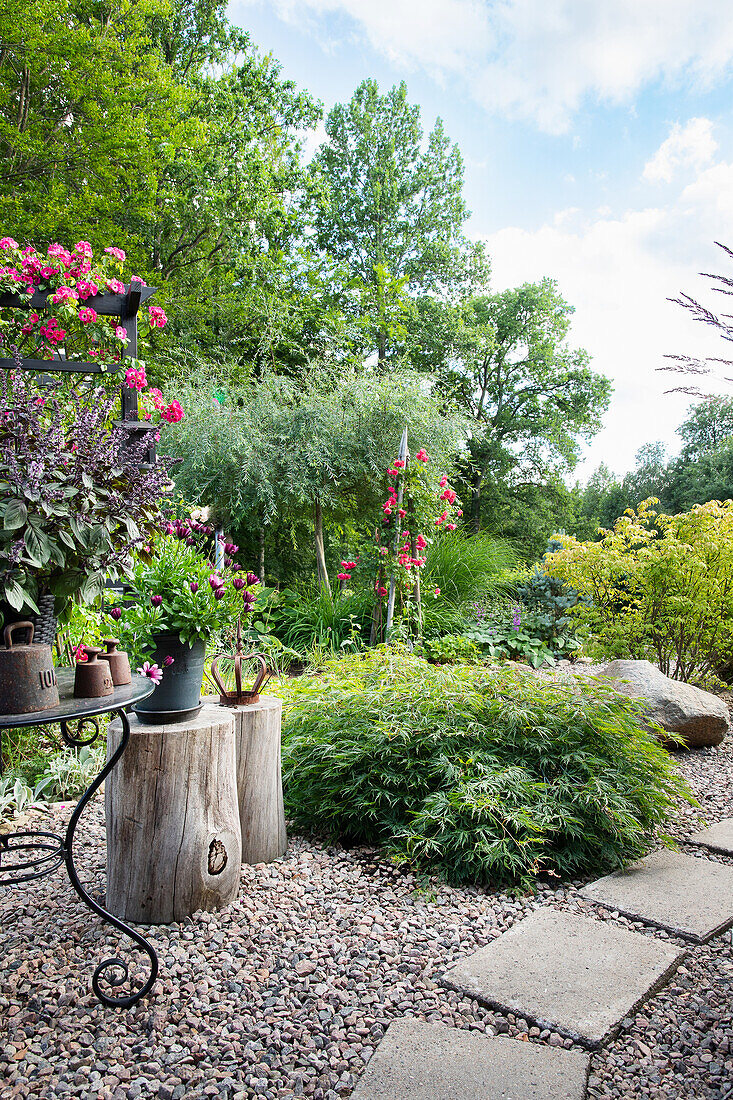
point(570, 974)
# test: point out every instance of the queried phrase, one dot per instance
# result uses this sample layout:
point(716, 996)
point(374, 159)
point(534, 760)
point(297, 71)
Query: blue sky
point(598, 147)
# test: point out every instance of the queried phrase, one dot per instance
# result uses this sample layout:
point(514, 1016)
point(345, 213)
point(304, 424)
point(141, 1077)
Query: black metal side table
point(33, 853)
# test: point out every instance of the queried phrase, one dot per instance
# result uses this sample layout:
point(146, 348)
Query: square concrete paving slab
point(688, 896)
point(421, 1061)
point(719, 837)
point(571, 974)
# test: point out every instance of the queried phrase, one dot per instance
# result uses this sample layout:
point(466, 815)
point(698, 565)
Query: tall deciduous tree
point(530, 397)
point(391, 209)
point(707, 425)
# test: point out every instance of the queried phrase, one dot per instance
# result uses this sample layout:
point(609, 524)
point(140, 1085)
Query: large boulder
point(697, 716)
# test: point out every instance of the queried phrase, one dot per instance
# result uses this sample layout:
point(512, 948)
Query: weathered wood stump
point(173, 837)
point(259, 780)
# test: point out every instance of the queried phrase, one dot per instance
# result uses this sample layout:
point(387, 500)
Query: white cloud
point(689, 145)
point(618, 273)
point(538, 59)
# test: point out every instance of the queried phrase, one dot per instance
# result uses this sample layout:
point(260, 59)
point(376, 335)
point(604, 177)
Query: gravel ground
point(289, 991)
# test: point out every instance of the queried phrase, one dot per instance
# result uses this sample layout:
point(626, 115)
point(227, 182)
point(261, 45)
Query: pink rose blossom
point(87, 315)
point(58, 252)
point(136, 379)
point(117, 253)
point(173, 413)
point(63, 294)
point(422, 455)
point(157, 317)
point(115, 286)
point(86, 289)
point(83, 248)
point(8, 242)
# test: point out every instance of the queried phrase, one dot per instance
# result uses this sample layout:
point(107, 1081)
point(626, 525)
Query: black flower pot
point(178, 695)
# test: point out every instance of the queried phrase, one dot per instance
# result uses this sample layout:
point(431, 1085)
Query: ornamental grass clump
point(484, 776)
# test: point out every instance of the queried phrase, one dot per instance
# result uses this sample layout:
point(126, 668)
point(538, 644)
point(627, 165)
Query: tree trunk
point(259, 780)
point(173, 835)
point(261, 553)
point(381, 349)
point(375, 634)
point(476, 501)
point(321, 570)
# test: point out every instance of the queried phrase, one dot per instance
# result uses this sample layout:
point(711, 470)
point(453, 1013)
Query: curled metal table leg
point(114, 971)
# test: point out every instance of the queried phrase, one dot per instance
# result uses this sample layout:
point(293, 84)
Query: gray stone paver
point(422, 1061)
point(571, 974)
point(718, 837)
point(687, 895)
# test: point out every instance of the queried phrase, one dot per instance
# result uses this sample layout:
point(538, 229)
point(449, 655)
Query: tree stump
point(173, 837)
point(259, 780)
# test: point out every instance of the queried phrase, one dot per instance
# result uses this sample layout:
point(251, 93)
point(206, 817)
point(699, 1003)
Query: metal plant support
point(32, 854)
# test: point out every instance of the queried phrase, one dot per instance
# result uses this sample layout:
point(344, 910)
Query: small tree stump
point(259, 780)
point(173, 837)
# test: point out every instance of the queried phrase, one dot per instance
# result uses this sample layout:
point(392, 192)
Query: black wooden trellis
point(125, 307)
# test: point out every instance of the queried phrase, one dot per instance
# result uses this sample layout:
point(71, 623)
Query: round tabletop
point(69, 708)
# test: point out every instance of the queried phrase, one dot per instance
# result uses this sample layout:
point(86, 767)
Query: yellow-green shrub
point(661, 587)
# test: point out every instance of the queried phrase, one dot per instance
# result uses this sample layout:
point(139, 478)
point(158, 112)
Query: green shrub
point(484, 775)
point(548, 603)
point(451, 648)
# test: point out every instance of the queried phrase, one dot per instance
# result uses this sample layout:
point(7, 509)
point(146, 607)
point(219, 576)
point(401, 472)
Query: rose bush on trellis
point(409, 523)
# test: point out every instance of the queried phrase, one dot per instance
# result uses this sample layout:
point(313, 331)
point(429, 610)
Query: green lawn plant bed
point(487, 775)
